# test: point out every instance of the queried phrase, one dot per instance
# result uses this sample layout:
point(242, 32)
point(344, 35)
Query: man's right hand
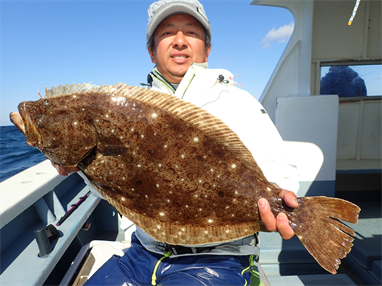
point(281, 222)
point(64, 171)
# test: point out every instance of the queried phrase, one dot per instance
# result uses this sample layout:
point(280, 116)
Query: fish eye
point(39, 122)
point(46, 102)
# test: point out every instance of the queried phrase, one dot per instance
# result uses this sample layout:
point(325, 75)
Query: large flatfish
point(176, 171)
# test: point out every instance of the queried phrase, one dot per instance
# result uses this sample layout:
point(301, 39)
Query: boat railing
point(31, 200)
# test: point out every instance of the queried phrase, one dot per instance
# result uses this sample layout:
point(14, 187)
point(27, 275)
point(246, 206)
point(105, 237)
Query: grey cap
point(160, 10)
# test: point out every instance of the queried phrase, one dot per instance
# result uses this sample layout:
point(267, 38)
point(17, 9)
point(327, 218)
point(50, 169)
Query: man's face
point(179, 41)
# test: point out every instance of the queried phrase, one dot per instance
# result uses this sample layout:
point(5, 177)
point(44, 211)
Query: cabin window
point(351, 80)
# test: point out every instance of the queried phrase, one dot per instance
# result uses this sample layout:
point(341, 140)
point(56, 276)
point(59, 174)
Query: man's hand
point(64, 171)
point(279, 224)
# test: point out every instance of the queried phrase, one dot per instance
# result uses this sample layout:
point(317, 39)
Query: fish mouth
point(24, 123)
point(17, 120)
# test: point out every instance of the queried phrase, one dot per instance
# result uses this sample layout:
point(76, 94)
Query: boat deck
point(283, 262)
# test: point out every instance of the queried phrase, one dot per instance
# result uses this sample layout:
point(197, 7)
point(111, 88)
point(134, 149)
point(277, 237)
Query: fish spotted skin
point(176, 171)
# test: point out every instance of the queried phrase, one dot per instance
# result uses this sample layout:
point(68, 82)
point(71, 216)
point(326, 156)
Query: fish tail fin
point(315, 224)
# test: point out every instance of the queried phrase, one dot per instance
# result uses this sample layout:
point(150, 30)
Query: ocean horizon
point(15, 154)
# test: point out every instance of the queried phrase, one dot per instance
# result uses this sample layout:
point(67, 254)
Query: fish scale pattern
point(175, 170)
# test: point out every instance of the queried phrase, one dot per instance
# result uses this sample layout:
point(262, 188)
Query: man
point(178, 40)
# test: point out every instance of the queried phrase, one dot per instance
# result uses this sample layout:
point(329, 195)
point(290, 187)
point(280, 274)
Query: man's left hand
point(281, 223)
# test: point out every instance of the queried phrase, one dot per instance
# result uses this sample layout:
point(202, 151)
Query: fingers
point(71, 169)
point(289, 198)
point(59, 169)
point(266, 215)
point(281, 223)
point(64, 171)
point(283, 227)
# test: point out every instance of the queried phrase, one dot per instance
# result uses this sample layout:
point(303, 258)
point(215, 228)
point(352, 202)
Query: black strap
point(149, 81)
point(178, 249)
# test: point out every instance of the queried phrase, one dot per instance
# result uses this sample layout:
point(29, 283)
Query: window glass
point(351, 80)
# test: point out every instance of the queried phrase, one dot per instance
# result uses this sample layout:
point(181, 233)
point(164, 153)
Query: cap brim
point(176, 8)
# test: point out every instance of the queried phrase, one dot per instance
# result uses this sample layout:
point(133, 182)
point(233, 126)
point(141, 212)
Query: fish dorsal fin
point(201, 119)
point(74, 88)
point(66, 89)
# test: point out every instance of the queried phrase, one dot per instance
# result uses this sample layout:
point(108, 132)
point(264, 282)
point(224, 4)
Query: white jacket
point(246, 116)
point(242, 113)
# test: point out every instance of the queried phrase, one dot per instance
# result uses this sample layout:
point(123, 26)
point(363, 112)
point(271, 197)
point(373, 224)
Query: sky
point(46, 43)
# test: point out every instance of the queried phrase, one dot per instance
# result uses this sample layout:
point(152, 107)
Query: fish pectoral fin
point(111, 150)
point(326, 239)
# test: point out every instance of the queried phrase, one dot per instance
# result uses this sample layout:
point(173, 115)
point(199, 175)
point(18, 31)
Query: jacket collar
point(160, 83)
point(157, 76)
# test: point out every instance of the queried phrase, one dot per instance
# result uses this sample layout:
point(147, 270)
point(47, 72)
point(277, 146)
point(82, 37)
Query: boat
point(334, 140)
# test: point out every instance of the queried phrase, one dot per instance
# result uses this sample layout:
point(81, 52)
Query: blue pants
point(141, 267)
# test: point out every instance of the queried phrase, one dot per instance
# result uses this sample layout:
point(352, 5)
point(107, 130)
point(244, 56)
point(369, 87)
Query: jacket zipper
point(188, 85)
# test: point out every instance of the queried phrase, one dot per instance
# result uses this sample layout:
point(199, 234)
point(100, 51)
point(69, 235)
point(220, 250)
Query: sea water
point(15, 154)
